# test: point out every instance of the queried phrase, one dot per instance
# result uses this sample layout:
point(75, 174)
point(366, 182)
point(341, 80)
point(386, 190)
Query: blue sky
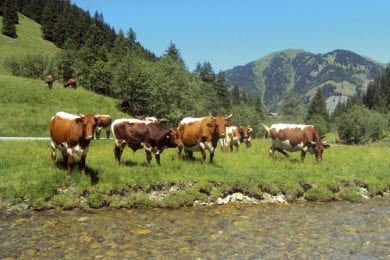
point(229, 33)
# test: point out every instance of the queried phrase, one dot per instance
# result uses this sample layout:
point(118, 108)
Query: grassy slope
point(29, 41)
point(27, 105)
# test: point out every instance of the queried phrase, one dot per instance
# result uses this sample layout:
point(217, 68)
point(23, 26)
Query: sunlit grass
point(26, 175)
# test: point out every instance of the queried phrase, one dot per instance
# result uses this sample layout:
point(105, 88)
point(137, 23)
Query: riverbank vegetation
point(28, 182)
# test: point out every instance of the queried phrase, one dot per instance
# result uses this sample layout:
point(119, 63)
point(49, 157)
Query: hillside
point(29, 41)
point(340, 73)
point(26, 105)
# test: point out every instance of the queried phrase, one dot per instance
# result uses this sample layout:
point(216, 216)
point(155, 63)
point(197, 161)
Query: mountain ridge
point(340, 73)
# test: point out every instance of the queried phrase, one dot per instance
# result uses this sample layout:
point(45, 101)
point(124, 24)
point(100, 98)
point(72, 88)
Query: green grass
point(27, 105)
point(26, 177)
point(29, 41)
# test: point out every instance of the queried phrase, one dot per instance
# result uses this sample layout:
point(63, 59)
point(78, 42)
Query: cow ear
point(79, 120)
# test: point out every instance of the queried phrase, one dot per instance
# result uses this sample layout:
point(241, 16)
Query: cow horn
point(211, 116)
point(162, 120)
point(81, 115)
point(229, 116)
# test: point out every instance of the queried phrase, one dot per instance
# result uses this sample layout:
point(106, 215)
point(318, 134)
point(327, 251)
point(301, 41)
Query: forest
point(115, 64)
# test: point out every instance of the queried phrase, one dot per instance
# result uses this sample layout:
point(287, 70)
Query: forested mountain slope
point(340, 74)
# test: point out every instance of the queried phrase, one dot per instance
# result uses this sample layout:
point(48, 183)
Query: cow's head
point(219, 124)
point(89, 122)
point(318, 148)
point(174, 138)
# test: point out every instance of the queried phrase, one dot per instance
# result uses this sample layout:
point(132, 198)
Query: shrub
point(360, 125)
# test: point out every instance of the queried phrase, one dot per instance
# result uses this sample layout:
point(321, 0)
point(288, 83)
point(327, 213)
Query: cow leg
point(118, 149)
point(108, 134)
point(281, 151)
point(148, 157)
point(211, 157)
point(203, 152)
point(157, 155)
point(97, 133)
point(303, 154)
point(82, 161)
point(53, 156)
point(70, 162)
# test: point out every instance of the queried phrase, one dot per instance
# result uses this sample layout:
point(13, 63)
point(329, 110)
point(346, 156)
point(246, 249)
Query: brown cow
point(137, 134)
point(201, 134)
point(292, 137)
point(71, 133)
point(103, 122)
point(71, 83)
point(245, 135)
point(49, 81)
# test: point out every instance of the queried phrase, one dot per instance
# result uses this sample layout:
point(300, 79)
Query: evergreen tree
point(10, 18)
point(222, 92)
point(259, 107)
point(236, 95)
point(205, 72)
point(174, 53)
point(317, 106)
point(292, 107)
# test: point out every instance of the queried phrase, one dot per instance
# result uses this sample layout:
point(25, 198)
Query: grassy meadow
point(27, 180)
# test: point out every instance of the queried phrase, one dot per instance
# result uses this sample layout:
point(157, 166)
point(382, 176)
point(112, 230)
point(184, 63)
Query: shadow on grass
point(94, 174)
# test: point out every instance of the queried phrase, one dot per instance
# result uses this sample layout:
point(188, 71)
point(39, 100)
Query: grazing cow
point(137, 134)
point(49, 81)
point(201, 134)
point(232, 138)
point(103, 122)
point(71, 83)
point(245, 133)
point(71, 133)
point(291, 137)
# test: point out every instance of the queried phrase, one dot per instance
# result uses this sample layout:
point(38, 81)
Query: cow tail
point(266, 128)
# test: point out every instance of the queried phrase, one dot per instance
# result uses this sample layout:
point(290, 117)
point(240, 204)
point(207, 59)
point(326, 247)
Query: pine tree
point(292, 106)
point(317, 106)
point(259, 107)
point(10, 18)
point(222, 92)
point(174, 53)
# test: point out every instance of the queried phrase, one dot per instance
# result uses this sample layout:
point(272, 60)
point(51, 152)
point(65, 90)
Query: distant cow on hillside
point(49, 81)
point(71, 83)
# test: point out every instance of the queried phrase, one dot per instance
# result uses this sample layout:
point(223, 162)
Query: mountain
point(340, 74)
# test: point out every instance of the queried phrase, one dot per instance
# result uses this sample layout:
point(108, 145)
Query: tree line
point(115, 64)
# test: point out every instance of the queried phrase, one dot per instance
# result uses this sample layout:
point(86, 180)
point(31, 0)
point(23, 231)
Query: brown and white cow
point(71, 83)
point(245, 135)
point(292, 137)
point(71, 134)
point(49, 81)
point(103, 122)
point(138, 134)
point(201, 134)
point(232, 139)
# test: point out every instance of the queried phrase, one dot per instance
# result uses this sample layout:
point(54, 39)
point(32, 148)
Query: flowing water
point(336, 230)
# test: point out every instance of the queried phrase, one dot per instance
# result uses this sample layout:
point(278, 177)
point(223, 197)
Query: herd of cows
point(72, 134)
